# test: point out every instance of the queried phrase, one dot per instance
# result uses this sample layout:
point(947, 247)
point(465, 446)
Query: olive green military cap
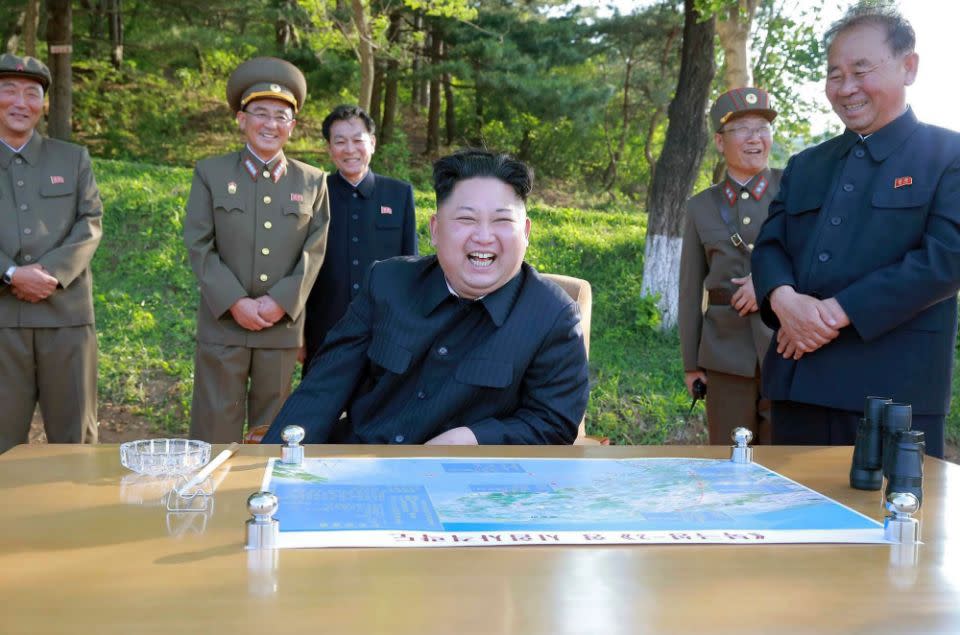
point(266, 78)
point(28, 67)
point(739, 102)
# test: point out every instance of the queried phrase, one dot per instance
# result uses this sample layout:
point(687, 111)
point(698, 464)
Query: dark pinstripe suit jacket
point(519, 375)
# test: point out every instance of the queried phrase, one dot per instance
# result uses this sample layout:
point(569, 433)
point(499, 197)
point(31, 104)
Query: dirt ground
point(118, 424)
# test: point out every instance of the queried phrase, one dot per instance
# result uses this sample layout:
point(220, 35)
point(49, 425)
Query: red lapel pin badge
point(902, 181)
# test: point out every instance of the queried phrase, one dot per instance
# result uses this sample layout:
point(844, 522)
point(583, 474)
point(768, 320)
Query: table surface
point(88, 547)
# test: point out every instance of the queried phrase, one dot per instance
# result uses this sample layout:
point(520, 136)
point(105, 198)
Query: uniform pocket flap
point(228, 203)
point(298, 209)
point(485, 372)
point(57, 188)
point(389, 356)
point(905, 197)
point(388, 221)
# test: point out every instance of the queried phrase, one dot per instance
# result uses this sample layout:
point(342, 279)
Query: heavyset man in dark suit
point(723, 347)
point(858, 265)
point(255, 228)
point(468, 346)
point(372, 217)
point(51, 212)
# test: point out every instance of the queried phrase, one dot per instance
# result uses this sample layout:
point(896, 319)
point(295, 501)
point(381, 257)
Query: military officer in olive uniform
point(723, 346)
point(256, 230)
point(51, 213)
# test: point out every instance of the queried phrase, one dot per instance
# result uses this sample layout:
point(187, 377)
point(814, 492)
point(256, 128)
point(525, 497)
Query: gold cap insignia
point(276, 88)
point(751, 98)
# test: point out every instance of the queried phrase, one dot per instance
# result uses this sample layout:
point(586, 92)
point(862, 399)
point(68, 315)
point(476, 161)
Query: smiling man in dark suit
point(858, 265)
point(372, 217)
point(469, 346)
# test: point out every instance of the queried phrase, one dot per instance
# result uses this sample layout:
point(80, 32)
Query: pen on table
point(208, 469)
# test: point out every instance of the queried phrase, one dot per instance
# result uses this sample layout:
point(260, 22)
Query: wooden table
point(86, 550)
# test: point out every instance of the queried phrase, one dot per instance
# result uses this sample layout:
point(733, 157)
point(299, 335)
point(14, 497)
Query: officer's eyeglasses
point(264, 117)
point(742, 133)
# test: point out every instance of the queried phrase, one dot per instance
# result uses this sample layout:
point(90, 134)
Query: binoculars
point(887, 448)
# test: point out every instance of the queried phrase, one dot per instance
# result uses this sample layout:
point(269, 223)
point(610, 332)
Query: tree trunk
point(116, 33)
point(14, 33)
point(450, 109)
point(31, 20)
point(364, 51)
point(678, 164)
point(285, 31)
point(733, 30)
point(391, 81)
point(60, 49)
point(433, 117)
point(610, 174)
point(417, 85)
point(376, 94)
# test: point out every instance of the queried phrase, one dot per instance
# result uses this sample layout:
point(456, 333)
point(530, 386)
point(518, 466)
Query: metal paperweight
point(291, 452)
point(741, 452)
point(262, 529)
point(900, 526)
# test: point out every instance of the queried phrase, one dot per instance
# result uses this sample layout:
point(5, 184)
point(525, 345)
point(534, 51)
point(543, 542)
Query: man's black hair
point(345, 112)
point(882, 13)
point(469, 164)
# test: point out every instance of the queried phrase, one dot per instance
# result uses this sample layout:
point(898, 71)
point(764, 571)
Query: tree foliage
point(581, 94)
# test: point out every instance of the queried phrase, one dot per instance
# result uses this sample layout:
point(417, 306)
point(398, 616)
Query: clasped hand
point(32, 283)
point(256, 314)
point(806, 323)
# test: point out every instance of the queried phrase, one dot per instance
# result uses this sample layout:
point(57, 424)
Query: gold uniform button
point(267, 224)
point(265, 251)
point(264, 277)
point(744, 195)
point(266, 174)
point(746, 220)
point(267, 199)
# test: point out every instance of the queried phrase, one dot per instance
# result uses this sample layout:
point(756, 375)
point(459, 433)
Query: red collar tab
point(729, 193)
point(276, 172)
point(759, 187)
point(251, 168)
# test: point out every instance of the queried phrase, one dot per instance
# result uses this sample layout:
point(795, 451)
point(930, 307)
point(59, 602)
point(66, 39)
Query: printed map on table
point(438, 502)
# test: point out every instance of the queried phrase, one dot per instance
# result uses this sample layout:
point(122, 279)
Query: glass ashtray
point(164, 457)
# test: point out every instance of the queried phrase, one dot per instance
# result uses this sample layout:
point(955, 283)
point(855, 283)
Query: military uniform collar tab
point(254, 165)
point(885, 141)
point(757, 186)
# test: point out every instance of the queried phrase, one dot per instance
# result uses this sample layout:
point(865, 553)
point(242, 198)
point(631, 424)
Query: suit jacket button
point(823, 257)
point(848, 187)
point(399, 438)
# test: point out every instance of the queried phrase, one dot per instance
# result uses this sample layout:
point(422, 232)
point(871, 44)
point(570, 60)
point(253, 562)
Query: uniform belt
point(720, 296)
